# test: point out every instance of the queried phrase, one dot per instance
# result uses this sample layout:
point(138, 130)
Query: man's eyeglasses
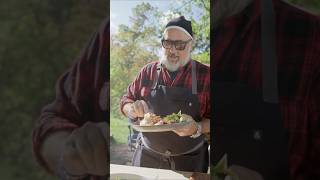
point(179, 45)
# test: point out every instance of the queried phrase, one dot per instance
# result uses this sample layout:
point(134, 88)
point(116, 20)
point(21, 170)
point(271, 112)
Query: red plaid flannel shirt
point(141, 86)
point(81, 95)
point(298, 53)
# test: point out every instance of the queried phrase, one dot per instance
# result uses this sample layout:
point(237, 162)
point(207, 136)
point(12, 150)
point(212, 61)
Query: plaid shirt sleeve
point(237, 58)
point(300, 61)
point(141, 86)
point(76, 99)
point(203, 72)
point(312, 164)
point(312, 169)
point(132, 91)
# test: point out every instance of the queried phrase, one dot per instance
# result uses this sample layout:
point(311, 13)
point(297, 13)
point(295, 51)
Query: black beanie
point(182, 24)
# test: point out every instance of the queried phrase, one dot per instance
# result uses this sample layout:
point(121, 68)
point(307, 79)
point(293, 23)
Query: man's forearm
point(123, 102)
point(126, 108)
point(52, 148)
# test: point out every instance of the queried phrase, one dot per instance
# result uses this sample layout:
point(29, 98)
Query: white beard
point(173, 66)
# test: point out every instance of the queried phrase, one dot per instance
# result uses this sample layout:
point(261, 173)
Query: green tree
point(200, 26)
point(131, 48)
point(139, 43)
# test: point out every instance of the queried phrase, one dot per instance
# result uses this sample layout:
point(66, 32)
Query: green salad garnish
point(173, 118)
point(220, 170)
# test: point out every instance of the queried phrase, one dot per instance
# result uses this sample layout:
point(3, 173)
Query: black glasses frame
point(179, 45)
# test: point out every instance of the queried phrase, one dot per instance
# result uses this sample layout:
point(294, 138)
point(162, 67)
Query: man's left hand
point(188, 129)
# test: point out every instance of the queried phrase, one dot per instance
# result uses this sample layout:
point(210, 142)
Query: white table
point(121, 172)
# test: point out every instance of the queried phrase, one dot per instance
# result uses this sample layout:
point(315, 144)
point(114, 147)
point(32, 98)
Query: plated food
point(154, 123)
point(220, 171)
point(151, 119)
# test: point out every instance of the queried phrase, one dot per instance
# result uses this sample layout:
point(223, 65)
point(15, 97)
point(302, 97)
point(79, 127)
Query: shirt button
point(257, 135)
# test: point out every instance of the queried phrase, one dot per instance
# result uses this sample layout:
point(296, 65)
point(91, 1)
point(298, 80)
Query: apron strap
point(156, 78)
point(269, 59)
point(193, 74)
point(170, 160)
point(194, 77)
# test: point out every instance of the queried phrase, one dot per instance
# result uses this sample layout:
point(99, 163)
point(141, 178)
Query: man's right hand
point(85, 150)
point(136, 109)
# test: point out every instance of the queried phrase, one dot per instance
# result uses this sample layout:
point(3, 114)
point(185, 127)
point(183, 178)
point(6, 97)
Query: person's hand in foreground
point(85, 151)
point(136, 109)
point(188, 129)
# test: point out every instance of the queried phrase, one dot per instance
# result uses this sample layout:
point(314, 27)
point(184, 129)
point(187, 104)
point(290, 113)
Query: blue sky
point(121, 10)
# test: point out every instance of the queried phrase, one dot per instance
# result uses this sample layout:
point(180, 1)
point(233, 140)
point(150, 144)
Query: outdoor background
point(136, 31)
point(39, 39)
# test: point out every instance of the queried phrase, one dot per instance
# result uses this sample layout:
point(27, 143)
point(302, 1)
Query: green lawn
point(119, 129)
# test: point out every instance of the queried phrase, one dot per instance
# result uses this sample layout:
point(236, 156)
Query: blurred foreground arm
point(64, 129)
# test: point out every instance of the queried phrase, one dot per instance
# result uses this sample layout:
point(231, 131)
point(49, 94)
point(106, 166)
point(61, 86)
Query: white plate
point(142, 173)
point(160, 128)
point(126, 176)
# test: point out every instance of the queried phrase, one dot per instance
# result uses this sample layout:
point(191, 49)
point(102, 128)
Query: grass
point(119, 129)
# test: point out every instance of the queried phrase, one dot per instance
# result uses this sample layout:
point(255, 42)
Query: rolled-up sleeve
point(313, 167)
point(75, 93)
point(134, 89)
point(61, 115)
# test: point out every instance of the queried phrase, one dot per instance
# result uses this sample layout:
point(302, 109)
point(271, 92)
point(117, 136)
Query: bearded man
point(174, 83)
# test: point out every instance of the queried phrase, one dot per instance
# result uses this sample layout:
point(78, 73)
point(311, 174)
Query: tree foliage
point(41, 38)
point(137, 44)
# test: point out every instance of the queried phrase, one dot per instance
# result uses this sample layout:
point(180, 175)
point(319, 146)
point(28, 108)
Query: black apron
point(247, 124)
point(167, 150)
